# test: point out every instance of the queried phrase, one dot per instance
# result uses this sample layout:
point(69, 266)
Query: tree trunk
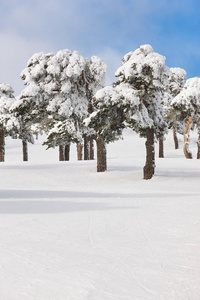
point(161, 148)
point(79, 148)
point(150, 154)
point(2, 145)
point(61, 153)
point(25, 150)
point(86, 149)
point(101, 155)
point(198, 147)
point(175, 138)
point(186, 150)
point(66, 152)
point(91, 148)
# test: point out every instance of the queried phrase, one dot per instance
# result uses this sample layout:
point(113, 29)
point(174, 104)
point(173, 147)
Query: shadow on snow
point(39, 202)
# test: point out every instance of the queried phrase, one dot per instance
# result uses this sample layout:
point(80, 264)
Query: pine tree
point(186, 109)
point(67, 98)
point(26, 115)
point(147, 73)
point(76, 82)
point(177, 82)
point(112, 105)
point(30, 107)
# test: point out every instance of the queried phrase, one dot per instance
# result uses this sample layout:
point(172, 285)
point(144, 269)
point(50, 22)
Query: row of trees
point(56, 99)
point(148, 97)
point(66, 97)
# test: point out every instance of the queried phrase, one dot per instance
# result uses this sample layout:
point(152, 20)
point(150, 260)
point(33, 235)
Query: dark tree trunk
point(91, 148)
point(175, 138)
point(198, 147)
point(79, 151)
point(101, 155)
point(61, 153)
point(186, 150)
point(67, 152)
point(150, 154)
point(25, 150)
point(161, 148)
point(86, 148)
point(2, 145)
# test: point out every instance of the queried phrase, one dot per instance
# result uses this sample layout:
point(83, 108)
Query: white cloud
point(14, 54)
point(113, 59)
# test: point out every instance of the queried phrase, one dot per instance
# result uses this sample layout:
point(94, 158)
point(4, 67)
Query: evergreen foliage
point(187, 102)
point(177, 82)
point(148, 75)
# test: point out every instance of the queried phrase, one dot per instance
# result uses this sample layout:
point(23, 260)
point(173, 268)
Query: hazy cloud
point(113, 59)
point(14, 54)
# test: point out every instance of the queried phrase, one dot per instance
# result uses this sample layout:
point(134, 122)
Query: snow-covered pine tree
point(39, 83)
point(112, 105)
point(177, 82)
point(6, 121)
point(78, 80)
point(95, 80)
point(186, 107)
point(66, 92)
point(65, 88)
point(23, 110)
point(30, 107)
point(146, 72)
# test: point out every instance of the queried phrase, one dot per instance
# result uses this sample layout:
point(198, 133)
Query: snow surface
point(69, 233)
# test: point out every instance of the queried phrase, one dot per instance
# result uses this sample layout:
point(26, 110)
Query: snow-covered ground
point(69, 233)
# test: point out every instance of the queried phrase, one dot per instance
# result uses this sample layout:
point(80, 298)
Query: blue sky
point(106, 28)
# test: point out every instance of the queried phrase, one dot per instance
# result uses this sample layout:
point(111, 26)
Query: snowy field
point(69, 233)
